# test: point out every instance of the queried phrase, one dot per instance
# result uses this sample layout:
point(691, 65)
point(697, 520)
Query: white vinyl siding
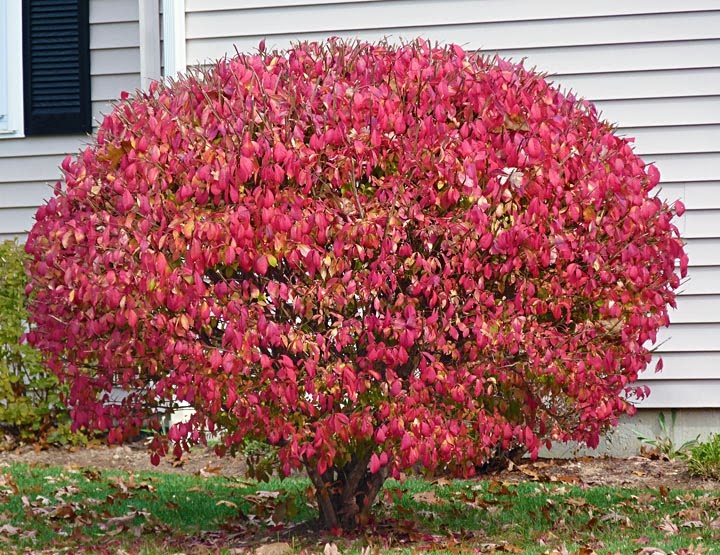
point(28, 165)
point(651, 66)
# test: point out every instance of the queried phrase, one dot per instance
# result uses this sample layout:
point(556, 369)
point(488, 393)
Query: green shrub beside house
point(31, 409)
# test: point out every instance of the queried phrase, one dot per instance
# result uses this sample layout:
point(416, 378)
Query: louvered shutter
point(56, 58)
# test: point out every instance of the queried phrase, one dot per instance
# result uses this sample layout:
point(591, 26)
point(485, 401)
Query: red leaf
point(375, 463)
point(261, 265)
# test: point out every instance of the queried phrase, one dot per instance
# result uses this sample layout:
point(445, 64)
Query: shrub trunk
point(346, 494)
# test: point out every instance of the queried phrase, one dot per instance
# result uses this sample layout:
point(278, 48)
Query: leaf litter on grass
point(89, 509)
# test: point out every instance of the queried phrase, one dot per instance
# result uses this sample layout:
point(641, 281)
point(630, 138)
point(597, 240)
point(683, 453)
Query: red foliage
point(400, 254)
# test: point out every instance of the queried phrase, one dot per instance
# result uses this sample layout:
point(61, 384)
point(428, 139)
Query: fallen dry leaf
point(530, 473)
point(126, 520)
point(509, 548)
point(691, 550)
point(262, 494)
point(331, 549)
point(615, 517)
point(668, 526)
point(565, 479)
point(210, 470)
point(7, 481)
point(428, 497)
point(643, 498)
point(9, 529)
point(63, 512)
point(691, 514)
point(277, 548)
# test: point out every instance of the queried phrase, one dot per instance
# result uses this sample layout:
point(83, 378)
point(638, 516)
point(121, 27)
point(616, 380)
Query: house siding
point(28, 165)
point(651, 66)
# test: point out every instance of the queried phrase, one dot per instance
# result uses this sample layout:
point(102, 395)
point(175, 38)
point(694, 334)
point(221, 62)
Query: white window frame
point(11, 69)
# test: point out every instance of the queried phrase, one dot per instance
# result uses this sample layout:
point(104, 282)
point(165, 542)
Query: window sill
point(7, 134)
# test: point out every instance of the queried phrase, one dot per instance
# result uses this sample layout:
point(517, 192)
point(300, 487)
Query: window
point(44, 67)
point(11, 92)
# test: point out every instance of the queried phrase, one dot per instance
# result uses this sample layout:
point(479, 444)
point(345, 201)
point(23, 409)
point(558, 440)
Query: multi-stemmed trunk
point(346, 494)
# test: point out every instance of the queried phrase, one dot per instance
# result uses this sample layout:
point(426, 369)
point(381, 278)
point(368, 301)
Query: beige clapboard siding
point(688, 380)
point(310, 15)
point(100, 109)
point(662, 112)
point(113, 61)
point(682, 393)
point(683, 366)
point(679, 139)
point(215, 5)
point(494, 10)
point(689, 337)
point(33, 146)
point(466, 26)
point(701, 224)
point(26, 194)
point(554, 60)
point(702, 195)
point(28, 166)
point(703, 280)
point(704, 252)
point(688, 167)
point(109, 87)
point(123, 34)
point(624, 56)
point(651, 66)
point(696, 196)
point(702, 309)
point(42, 167)
point(15, 220)
point(662, 83)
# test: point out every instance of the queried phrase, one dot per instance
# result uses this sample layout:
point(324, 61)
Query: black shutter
point(56, 59)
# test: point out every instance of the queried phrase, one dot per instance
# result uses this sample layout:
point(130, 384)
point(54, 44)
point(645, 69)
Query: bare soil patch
point(633, 472)
point(129, 457)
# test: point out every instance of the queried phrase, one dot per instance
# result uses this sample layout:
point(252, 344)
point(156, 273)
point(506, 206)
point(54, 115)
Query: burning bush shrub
point(369, 256)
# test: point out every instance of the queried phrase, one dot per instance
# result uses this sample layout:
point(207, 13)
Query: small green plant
point(663, 445)
point(30, 405)
point(704, 458)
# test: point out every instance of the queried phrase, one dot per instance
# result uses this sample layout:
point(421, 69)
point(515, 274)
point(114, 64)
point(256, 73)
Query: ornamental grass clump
point(369, 256)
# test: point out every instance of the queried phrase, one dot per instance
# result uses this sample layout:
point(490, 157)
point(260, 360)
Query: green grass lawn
point(57, 510)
